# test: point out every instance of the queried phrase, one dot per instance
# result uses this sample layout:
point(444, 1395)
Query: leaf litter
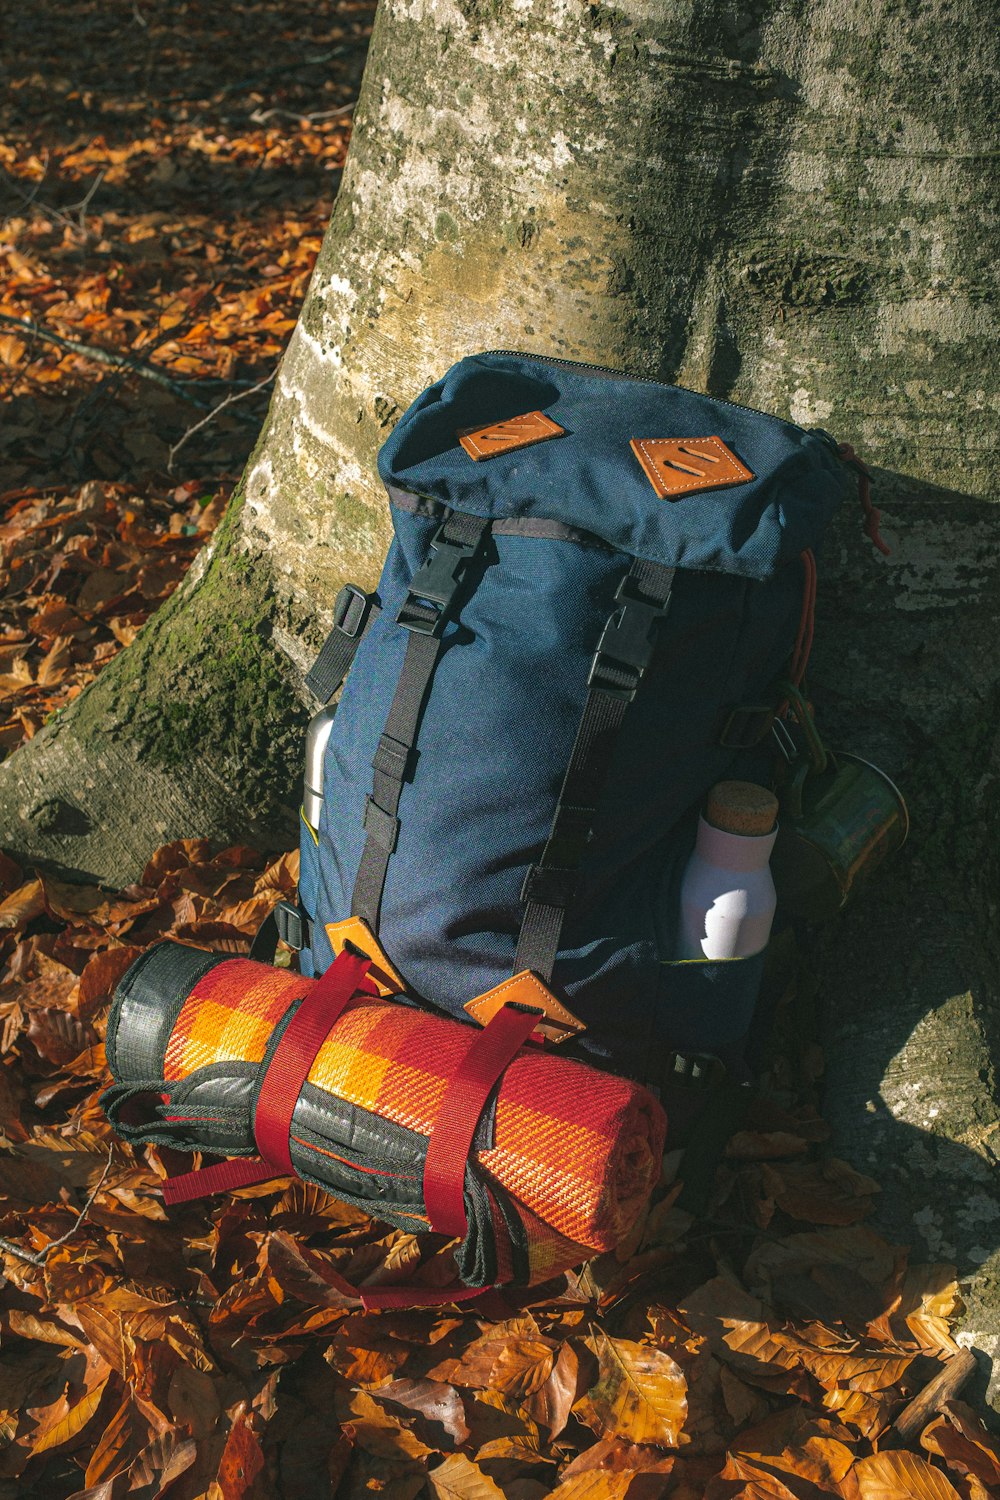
point(163, 217)
point(201, 1349)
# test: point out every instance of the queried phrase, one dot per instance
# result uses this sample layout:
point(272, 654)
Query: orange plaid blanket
point(563, 1159)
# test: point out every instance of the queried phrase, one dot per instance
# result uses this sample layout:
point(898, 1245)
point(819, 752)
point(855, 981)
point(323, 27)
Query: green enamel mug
point(836, 826)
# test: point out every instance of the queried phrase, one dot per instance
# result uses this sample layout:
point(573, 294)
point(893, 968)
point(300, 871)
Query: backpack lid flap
point(653, 470)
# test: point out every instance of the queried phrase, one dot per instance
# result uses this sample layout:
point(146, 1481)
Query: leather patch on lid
point(354, 930)
point(557, 1024)
point(502, 437)
point(682, 466)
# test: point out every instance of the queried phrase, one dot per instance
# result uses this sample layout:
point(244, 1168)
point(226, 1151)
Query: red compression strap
point(465, 1096)
point(282, 1083)
point(224, 1177)
point(296, 1052)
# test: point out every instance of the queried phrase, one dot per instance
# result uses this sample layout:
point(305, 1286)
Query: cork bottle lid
point(742, 807)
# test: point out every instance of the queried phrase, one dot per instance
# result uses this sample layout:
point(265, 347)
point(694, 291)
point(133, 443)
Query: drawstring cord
point(872, 515)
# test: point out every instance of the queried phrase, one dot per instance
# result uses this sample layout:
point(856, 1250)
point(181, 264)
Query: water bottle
point(317, 735)
point(727, 893)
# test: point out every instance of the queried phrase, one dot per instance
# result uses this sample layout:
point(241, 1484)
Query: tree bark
point(785, 205)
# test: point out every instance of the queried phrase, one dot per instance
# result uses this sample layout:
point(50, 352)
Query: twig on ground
point(38, 1257)
point(944, 1387)
point(259, 116)
point(230, 400)
point(59, 215)
point(118, 361)
point(121, 361)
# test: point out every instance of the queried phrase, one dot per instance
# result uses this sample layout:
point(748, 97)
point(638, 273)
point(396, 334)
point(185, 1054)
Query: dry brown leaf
point(242, 1459)
point(607, 1484)
point(22, 905)
point(439, 1405)
point(641, 1393)
point(378, 1430)
point(901, 1476)
point(959, 1437)
point(122, 1440)
point(749, 1145)
point(61, 1424)
point(458, 1478)
point(550, 1405)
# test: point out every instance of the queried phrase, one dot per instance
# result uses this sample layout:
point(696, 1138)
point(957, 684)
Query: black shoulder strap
point(429, 604)
point(353, 613)
point(623, 654)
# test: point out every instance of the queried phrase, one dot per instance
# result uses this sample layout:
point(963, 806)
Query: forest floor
point(166, 174)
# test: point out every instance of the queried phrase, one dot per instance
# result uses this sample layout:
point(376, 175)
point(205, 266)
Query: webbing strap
point(623, 654)
point(353, 614)
point(464, 1100)
point(281, 1085)
point(296, 1052)
point(223, 1177)
point(429, 604)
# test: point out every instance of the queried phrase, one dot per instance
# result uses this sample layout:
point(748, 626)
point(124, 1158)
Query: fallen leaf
point(901, 1476)
point(640, 1393)
point(458, 1478)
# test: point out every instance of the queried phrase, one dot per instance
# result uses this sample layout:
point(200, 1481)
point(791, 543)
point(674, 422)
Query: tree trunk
point(783, 205)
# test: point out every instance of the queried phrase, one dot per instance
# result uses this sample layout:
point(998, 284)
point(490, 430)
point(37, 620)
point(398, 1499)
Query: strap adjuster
point(351, 609)
point(292, 924)
point(381, 826)
point(548, 885)
point(748, 725)
point(428, 601)
point(694, 1070)
point(627, 643)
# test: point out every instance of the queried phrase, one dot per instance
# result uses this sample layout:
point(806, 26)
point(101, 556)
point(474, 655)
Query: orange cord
point(807, 620)
point(872, 516)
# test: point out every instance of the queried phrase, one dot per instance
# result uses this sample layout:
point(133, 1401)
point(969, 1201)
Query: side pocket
point(308, 882)
point(705, 1004)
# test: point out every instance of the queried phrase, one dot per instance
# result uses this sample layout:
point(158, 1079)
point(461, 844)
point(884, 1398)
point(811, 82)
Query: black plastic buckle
point(694, 1070)
point(292, 924)
point(626, 645)
point(351, 609)
point(434, 584)
point(748, 725)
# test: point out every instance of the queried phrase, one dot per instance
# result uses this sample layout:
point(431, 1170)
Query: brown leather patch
point(515, 432)
point(681, 466)
point(356, 931)
point(559, 1024)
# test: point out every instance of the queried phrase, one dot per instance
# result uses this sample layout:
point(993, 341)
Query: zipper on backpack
point(843, 451)
point(578, 364)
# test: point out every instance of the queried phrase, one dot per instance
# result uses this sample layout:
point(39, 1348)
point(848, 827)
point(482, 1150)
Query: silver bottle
point(317, 736)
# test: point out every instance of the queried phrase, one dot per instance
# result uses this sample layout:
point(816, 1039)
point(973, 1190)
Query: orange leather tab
point(558, 1025)
point(355, 930)
point(681, 466)
point(501, 437)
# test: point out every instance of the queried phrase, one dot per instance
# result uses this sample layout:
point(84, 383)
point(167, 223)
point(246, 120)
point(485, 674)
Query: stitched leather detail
point(354, 930)
point(502, 437)
point(527, 989)
point(681, 466)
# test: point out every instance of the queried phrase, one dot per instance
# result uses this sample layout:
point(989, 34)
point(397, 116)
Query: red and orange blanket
point(536, 1160)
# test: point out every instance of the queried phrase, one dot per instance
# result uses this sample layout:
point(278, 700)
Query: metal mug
point(840, 818)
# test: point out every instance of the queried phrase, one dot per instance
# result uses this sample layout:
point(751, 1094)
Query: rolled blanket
point(563, 1156)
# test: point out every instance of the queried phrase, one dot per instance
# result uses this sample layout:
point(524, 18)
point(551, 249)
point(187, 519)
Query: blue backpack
point(596, 586)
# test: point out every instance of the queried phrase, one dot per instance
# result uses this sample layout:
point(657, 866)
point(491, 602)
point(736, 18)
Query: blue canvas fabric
point(569, 515)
